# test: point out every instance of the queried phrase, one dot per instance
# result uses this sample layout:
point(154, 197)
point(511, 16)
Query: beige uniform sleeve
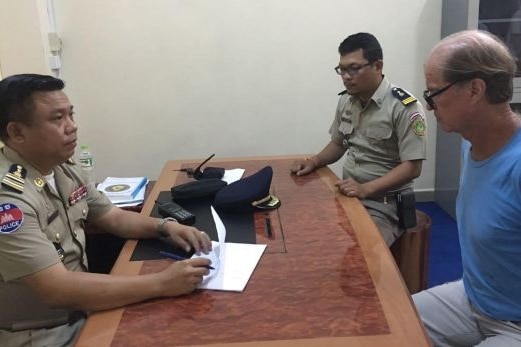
point(411, 130)
point(98, 203)
point(26, 249)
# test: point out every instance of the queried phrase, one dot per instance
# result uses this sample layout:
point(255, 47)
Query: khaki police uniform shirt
point(40, 227)
point(379, 136)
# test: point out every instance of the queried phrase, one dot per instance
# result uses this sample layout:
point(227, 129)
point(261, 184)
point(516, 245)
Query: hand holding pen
point(181, 277)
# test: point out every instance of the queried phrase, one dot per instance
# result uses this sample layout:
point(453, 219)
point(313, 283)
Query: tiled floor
point(444, 253)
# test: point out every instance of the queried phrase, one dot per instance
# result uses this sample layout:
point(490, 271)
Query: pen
point(267, 225)
point(177, 257)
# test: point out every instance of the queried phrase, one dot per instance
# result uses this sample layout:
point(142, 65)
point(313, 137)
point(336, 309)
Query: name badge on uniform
point(77, 195)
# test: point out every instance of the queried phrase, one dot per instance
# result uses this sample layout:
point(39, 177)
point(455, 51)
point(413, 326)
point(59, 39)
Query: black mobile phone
point(171, 209)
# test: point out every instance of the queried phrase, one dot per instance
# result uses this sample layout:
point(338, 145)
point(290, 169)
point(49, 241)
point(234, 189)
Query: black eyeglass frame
point(428, 96)
point(352, 71)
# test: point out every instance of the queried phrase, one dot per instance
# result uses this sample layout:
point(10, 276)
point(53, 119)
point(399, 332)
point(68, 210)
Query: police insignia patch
point(15, 178)
point(11, 218)
point(403, 96)
point(418, 123)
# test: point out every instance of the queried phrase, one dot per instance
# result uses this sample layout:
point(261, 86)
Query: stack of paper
point(233, 263)
point(124, 191)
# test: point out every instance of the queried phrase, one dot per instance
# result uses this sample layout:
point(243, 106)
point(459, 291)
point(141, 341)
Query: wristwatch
point(161, 226)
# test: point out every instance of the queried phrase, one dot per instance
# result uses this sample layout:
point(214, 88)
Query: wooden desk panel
point(336, 285)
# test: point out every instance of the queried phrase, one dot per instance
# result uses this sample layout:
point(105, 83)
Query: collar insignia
point(15, 178)
point(39, 182)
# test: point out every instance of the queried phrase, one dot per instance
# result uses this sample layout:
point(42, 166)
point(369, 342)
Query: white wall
point(169, 79)
point(22, 47)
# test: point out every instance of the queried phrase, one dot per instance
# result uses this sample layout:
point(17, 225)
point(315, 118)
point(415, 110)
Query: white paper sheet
point(233, 175)
point(234, 263)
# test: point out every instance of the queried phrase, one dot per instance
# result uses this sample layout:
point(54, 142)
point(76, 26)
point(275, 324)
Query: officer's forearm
point(128, 224)
point(400, 175)
point(330, 154)
point(61, 288)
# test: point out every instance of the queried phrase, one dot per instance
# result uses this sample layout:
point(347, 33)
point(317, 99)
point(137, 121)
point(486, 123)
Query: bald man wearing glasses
point(469, 77)
point(382, 129)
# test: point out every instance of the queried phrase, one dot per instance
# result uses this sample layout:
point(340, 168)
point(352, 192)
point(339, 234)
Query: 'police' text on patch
point(11, 218)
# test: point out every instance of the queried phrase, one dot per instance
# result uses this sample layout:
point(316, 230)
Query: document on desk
point(232, 175)
point(233, 263)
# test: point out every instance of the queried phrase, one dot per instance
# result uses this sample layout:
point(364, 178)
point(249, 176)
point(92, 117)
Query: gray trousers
point(450, 320)
point(60, 336)
point(385, 217)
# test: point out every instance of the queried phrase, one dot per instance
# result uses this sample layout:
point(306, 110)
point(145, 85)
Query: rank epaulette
point(403, 96)
point(14, 179)
point(343, 92)
point(71, 161)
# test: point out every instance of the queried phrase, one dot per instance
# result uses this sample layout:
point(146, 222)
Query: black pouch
point(197, 189)
point(406, 205)
point(209, 172)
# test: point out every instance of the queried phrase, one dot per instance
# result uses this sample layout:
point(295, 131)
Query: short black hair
point(16, 103)
point(364, 41)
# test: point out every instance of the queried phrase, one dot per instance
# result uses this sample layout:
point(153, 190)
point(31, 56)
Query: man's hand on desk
point(187, 237)
point(302, 167)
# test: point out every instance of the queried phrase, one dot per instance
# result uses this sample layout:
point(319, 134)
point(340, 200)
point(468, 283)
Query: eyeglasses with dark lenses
point(352, 70)
point(428, 95)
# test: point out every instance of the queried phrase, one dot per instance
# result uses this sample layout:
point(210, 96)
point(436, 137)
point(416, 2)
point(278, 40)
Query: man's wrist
point(161, 226)
point(314, 161)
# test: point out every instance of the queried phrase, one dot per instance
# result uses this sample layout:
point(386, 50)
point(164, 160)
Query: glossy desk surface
point(325, 279)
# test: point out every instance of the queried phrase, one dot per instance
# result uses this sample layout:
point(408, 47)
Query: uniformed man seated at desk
point(45, 200)
point(382, 129)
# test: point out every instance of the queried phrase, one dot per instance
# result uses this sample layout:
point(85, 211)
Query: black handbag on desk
point(197, 189)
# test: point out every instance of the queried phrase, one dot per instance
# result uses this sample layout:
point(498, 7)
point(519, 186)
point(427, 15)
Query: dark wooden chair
point(411, 253)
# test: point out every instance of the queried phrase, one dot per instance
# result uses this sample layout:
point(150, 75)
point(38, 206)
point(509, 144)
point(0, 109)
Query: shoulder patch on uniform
point(71, 161)
point(11, 218)
point(403, 96)
point(14, 179)
point(418, 123)
point(343, 92)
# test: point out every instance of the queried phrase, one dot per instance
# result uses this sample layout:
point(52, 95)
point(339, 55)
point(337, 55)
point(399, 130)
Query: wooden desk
point(326, 279)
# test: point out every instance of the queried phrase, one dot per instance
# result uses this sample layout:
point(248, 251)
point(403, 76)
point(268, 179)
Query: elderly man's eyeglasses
point(428, 95)
point(352, 70)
